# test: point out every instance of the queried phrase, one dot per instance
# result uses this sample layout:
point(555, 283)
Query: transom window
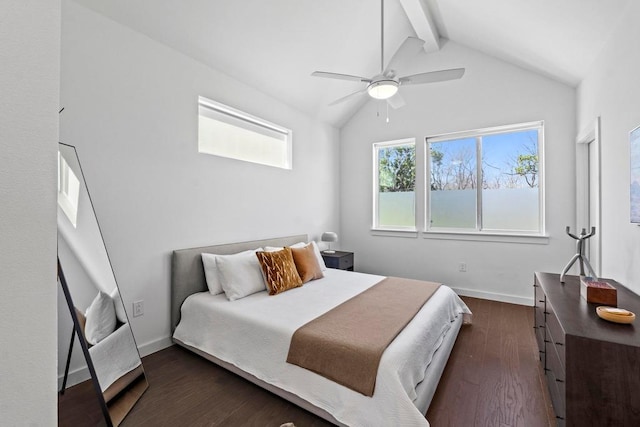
point(68, 190)
point(487, 180)
point(394, 180)
point(227, 132)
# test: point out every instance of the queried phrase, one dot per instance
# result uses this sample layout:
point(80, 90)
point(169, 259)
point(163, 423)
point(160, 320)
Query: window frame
point(493, 234)
point(232, 115)
point(376, 185)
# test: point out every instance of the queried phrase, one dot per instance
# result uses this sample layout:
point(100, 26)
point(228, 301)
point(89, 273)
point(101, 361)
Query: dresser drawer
point(555, 334)
point(346, 263)
point(338, 259)
point(557, 393)
point(538, 318)
point(539, 332)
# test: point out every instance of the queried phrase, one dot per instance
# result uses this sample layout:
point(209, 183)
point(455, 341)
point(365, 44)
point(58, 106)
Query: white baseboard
point(153, 346)
point(494, 297)
point(82, 374)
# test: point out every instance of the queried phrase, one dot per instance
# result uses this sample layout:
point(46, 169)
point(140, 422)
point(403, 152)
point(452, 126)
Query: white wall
point(29, 84)
point(611, 90)
point(131, 110)
point(491, 93)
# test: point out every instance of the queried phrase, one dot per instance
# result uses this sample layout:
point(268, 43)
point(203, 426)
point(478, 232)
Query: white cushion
point(316, 250)
point(101, 318)
point(279, 248)
point(211, 273)
point(118, 304)
point(240, 274)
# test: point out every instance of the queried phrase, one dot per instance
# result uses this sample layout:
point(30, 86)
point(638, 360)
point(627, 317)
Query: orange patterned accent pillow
point(279, 271)
point(307, 263)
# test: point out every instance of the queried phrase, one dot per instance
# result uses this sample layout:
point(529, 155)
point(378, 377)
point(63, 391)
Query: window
point(394, 178)
point(68, 190)
point(488, 180)
point(227, 132)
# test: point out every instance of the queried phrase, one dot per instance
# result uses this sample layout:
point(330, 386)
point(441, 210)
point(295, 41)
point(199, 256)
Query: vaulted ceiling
point(274, 45)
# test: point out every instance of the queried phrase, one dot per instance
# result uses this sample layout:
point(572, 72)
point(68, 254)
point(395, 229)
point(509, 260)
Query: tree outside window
point(394, 183)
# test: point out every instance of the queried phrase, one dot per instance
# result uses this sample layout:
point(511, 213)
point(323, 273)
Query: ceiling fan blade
point(407, 50)
point(350, 96)
point(340, 76)
point(432, 76)
point(396, 101)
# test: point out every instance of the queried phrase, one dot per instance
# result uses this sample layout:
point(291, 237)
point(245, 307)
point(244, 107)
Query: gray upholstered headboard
point(187, 272)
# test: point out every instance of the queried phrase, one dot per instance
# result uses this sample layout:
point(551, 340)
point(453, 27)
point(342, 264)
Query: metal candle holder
point(579, 253)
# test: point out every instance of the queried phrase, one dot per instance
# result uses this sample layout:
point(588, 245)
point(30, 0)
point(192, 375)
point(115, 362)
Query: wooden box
point(598, 292)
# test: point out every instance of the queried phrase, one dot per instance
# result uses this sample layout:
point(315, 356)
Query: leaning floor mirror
point(95, 337)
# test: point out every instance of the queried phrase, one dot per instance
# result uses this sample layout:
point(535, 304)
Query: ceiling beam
point(422, 21)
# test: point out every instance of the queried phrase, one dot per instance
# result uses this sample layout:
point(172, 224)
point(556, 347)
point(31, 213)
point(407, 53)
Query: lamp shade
point(329, 236)
point(382, 89)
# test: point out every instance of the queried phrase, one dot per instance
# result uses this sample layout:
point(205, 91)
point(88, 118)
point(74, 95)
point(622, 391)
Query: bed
point(251, 337)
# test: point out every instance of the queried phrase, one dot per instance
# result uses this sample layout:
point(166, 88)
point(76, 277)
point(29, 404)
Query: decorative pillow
point(240, 274)
point(323, 267)
point(101, 319)
point(279, 271)
point(118, 304)
point(307, 263)
point(211, 273)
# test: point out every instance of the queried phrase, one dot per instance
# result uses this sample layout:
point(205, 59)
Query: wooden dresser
point(592, 366)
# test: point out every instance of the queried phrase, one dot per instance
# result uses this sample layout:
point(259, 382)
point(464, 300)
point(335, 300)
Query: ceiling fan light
point(382, 89)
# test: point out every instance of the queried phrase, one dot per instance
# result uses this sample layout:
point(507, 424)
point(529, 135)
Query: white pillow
point(211, 273)
point(323, 266)
point(101, 319)
point(279, 248)
point(118, 304)
point(316, 250)
point(240, 274)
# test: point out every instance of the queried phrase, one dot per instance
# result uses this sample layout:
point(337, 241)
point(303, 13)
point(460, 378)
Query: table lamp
point(329, 237)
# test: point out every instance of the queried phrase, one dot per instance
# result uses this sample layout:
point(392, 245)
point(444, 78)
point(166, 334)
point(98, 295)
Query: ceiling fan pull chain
point(387, 111)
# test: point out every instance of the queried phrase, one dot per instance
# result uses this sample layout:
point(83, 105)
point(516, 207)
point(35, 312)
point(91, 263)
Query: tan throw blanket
point(346, 343)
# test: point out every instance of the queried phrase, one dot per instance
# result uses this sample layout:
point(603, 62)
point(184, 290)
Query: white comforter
point(115, 356)
point(254, 333)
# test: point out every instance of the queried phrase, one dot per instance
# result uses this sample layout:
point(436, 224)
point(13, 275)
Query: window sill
point(536, 239)
point(407, 233)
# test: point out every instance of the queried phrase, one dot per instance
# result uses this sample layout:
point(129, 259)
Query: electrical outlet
point(462, 267)
point(138, 308)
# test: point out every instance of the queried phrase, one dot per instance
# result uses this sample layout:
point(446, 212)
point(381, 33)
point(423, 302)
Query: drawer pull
point(546, 312)
point(547, 341)
point(547, 370)
point(559, 343)
point(559, 380)
point(541, 327)
point(559, 417)
point(541, 351)
point(540, 300)
point(536, 286)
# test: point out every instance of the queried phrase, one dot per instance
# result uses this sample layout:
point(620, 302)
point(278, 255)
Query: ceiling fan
point(385, 85)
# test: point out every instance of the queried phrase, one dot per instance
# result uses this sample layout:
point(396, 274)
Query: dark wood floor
point(493, 378)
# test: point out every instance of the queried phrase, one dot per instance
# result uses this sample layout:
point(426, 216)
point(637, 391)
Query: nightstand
point(339, 259)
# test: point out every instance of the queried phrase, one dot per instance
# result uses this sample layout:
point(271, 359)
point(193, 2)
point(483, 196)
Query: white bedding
point(254, 333)
point(114, 356)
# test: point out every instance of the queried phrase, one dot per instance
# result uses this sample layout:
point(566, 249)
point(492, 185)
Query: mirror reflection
point(98, 340)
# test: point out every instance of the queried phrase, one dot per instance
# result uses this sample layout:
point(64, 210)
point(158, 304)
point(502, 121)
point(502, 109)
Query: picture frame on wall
point(634, 150)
